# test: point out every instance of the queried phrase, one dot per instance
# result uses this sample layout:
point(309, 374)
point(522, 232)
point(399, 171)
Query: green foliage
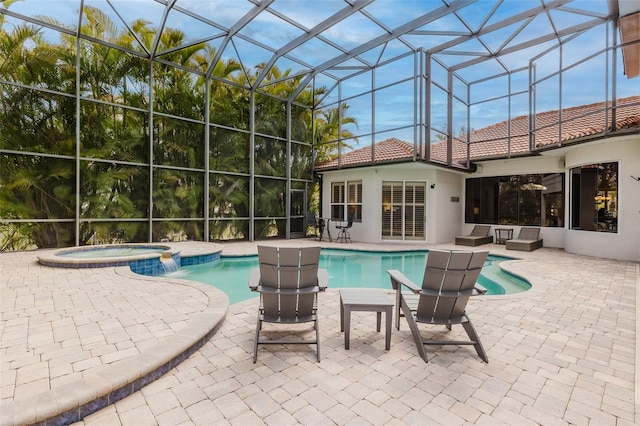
point(45, 161)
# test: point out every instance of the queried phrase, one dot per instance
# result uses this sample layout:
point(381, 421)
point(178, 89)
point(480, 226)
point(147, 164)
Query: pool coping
point(57, 258)
point(144, 263)
point(73, 401)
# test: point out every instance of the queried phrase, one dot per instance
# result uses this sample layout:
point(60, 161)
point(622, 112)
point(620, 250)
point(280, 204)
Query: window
point(526, 200)
point(346, 197)
point(403, 210)
point(337, 201)
point(392, 210)
point(594, 197)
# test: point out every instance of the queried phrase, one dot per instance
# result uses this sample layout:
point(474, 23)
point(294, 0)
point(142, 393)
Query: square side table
point(370, 299)
point(503, 234)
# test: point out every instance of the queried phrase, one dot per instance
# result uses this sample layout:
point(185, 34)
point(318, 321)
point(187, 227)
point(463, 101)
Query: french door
point(296, 214)
point(403, 210)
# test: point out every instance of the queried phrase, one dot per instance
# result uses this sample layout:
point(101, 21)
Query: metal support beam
point(449, 118)
point(377, 41)
point(163, 22)
point(427, 107)
point(78, 141)
point(207, 156)
point(252, 160)
point(288, 174)
point(313, 32)
point(242, 22)
point(530, 43)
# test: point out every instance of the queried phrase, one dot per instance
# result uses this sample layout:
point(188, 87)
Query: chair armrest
point(254, 279)
point(398, 277)
point(479, 290)
point(323, 279)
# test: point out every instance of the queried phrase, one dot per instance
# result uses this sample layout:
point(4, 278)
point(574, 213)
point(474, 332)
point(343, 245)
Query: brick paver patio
point(562, 353)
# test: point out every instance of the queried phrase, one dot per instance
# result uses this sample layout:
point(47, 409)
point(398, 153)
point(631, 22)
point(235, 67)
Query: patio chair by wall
point(288, 281)
point(318, 225)
point(528, 240)
point(449, 280)
point(479, 235)
point(344, 235)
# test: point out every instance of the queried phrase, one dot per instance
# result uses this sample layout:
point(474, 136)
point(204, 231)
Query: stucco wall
point(443, 216)
point(553, 237)
point(625, 244)
point(445, 219)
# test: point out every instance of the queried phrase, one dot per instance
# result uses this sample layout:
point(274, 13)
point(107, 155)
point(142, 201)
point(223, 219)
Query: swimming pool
point(347, 268)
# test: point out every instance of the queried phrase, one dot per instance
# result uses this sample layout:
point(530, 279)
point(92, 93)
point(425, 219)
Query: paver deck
point(563, 353)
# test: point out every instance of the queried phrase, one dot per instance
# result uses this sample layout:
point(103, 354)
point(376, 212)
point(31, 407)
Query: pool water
point(347, 268)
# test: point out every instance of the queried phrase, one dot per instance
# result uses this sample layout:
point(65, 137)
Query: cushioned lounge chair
point(288, 281)
point(479, 235)
point(449, 280)
point(528, 240)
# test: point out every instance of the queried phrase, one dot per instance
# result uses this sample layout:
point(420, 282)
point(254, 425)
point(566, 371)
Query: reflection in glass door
point(296, 215)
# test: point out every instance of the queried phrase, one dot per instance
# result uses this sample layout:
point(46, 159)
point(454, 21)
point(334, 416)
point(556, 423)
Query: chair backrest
point(481, 230)
point(448, 282)
point(288, 271)
point(312, 219)
point(529, 234)
point(350, 221)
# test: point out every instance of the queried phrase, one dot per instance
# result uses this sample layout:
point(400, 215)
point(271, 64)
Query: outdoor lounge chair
point(479, 235)
point(449, 280)
point(288, 281)
point(528, 240)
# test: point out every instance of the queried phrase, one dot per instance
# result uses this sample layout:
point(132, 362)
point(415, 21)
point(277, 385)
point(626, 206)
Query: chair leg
point(471, 332)
point(255, 344)
point(398, 305)
point(414, 330)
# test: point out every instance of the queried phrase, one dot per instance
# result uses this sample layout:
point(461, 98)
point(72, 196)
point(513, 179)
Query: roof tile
point(492, 141)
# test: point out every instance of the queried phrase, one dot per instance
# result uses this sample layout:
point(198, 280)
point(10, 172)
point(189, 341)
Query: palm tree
point(44, 187)
point(34, 186)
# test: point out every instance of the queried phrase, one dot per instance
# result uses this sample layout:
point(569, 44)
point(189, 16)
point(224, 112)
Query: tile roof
point(388, 150)
point(493, 142)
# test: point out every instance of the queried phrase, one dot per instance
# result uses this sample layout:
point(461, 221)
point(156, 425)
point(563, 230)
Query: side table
point(503, 234)
point(361, 299)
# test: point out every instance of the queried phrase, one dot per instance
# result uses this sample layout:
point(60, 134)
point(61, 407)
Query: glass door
point(296, 215)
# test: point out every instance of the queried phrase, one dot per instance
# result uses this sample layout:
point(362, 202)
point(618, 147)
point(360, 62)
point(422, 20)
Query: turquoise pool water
point(347, 268)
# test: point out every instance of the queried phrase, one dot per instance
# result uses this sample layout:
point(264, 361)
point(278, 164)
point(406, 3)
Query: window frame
point(396, 205)
point(594, 203)
point(346, 200)
point(531, 199)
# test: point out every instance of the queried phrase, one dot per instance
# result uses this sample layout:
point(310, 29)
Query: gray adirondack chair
point(288, 281)
point(449, 280)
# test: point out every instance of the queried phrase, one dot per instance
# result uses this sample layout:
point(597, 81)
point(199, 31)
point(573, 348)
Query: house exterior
point(580, 183)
